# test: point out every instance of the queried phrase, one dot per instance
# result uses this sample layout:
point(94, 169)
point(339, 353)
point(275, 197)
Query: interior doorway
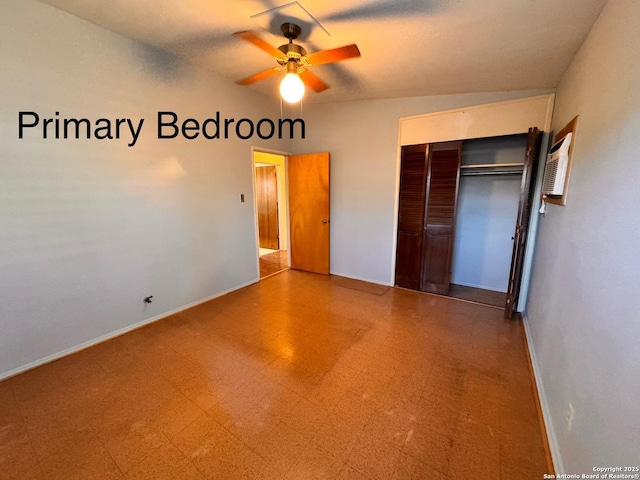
point(270, 193)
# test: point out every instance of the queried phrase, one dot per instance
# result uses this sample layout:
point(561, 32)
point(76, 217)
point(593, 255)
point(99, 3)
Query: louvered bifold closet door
point(527, 194)
point(443, 173)
point(413, 170)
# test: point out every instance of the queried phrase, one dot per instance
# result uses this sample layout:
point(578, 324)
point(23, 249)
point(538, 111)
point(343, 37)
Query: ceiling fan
point(294, 59)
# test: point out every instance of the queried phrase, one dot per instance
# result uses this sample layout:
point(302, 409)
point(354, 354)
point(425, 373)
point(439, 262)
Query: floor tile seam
point(469, 387)
point(397, 450)
point(190, 460)
point(505, 460)
point(176, 434)
point(194, 365)
point(295, 427)
point(122, 471)
point(38, 458)
point(14, 398)
point(494, 430)
point(360, 431)
point(347, 464)
point(344, 465)
point(526, 424)
point(476, 417)
point(42, 460)
point(426, 381)
point(274, 274)
point(19, 434)
point(523, 463)
point(266, 460)
point(454, 434)
point(457, 392)
point(296, 364)
point(426, 463)
point(60, 384)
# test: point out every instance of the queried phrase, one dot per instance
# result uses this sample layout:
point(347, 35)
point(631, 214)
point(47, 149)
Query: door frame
point(254, 150)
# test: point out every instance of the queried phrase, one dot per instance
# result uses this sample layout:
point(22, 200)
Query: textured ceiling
point(409, 47)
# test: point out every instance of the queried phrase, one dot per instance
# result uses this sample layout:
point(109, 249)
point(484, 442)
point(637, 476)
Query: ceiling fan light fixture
point(291, 86)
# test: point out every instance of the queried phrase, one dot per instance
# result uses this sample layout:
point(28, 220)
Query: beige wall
point(363, 140)
point(89, 228)
point(582, 316)
point(479, 121)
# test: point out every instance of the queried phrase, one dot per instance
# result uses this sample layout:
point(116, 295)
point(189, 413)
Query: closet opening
point(488, 197)
point(464, 210)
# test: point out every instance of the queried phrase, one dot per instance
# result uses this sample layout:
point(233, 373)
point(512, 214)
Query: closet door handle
point(324, 220)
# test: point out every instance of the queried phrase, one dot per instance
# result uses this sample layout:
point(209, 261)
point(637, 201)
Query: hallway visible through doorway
point(272, 263)
point(271, 212)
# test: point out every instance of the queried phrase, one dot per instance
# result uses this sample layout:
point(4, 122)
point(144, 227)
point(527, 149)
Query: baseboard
point(116, 333)
point(554, 450)
point(361, 279)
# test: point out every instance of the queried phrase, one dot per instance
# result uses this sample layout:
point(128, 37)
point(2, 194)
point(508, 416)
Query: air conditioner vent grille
point(556, 167)
point(550, 173)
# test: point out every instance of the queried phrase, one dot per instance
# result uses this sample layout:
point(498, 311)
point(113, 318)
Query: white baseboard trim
point(116, 333)
point(361, 279)
point(556, 457)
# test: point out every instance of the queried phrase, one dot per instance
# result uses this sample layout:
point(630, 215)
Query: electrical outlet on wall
point(569, 417)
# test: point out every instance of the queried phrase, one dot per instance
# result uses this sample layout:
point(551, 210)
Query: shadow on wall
point(158, 62)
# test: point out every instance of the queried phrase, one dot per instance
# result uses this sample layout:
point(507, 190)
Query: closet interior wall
point(488, 200)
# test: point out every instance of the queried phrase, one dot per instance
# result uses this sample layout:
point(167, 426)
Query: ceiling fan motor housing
point(290, 30)
point(292, 50)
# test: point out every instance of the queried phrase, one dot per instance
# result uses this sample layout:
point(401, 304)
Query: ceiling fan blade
point(313, 81)
point(333, 55)
point(259, 76)
point(254, 39)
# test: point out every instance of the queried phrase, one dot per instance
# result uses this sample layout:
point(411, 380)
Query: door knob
point(324, 220)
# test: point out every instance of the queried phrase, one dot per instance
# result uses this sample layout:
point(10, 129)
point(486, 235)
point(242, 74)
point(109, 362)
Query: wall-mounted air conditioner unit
point(555, 170)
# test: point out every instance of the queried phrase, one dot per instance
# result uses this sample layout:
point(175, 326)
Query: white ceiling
point(409, 47)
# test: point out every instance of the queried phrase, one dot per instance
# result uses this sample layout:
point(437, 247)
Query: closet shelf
point(492, 169)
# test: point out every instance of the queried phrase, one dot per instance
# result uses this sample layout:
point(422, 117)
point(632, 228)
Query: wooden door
point(527, 190)
point(309, 212)
point(267, 205)
point(413, 175)
point(443, 174)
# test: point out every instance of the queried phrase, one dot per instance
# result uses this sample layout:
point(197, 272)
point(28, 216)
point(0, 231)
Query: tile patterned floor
point(273, 263)
point(296, 377)
point(480, 295)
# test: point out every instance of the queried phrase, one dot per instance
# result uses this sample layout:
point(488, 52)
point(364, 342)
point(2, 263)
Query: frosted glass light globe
point(291, 88)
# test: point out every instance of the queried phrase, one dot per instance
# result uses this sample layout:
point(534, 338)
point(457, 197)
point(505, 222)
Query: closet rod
point(490, 172)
